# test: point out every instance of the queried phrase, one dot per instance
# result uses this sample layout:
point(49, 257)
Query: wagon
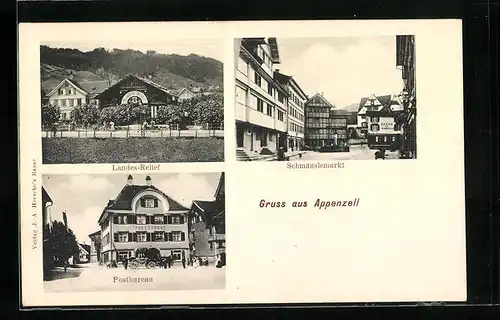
point(145, 257)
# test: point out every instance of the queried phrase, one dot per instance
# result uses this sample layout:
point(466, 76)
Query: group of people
point(168, 262)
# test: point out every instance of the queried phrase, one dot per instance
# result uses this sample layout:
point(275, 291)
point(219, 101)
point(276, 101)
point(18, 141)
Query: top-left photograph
point(132, 104)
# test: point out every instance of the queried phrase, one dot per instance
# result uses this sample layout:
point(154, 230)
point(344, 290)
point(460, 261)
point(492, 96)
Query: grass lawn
point(129, 150)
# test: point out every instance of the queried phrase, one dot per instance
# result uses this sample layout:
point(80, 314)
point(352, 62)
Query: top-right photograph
point(349, 98)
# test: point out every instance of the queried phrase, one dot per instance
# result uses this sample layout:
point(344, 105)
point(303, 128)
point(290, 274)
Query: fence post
point(94, 132)
point(61, 133)
point(78, 133)
point(110, 133)
point(161, 132)
point(196, 133)
point(179, 129)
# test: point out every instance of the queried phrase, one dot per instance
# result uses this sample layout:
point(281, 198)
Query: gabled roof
point(182, 90)
point(96, 233)
point(94, 87)
point(286, 79)
point(45, 196)
point(207, 210)
point(220, 187)
point(84, 247)
point(147, 81)
point(71, 82)
point(124, 199)
point(273, 46)
point(321, 98)
point(385, 100)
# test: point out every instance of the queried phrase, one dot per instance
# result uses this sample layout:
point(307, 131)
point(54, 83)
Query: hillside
point(170, 71)
point(353, 107)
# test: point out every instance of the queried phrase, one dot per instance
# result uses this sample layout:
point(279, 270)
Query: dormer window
point(149, 202)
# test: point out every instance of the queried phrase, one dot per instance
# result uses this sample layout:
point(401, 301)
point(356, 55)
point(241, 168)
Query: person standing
point(125, 263)
point(184, 262)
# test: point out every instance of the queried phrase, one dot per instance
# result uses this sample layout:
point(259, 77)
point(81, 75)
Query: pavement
point(356, 152)
point(99, 278)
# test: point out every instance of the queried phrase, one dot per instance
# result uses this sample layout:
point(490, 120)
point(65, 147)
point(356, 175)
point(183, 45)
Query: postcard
point(338, 191)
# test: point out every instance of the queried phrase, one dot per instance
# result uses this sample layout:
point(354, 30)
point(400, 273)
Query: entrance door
point(239, 137)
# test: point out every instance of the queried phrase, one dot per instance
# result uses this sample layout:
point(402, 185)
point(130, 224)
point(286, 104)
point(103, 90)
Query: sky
point(344, 69)
point(211, 48)
point(83, 197)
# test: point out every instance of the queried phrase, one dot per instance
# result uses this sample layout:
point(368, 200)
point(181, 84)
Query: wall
point(67, 101)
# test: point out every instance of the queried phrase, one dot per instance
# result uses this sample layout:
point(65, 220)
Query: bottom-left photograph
point(115, 232)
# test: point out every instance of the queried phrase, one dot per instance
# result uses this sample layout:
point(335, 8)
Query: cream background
point(411, 248)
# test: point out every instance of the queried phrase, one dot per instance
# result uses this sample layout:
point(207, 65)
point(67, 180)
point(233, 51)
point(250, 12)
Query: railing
point(136, 131)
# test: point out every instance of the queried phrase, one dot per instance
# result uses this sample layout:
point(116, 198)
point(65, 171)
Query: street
point(93, 277)
point(356, 152)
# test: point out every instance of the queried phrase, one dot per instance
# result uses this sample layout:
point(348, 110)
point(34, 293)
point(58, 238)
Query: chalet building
point(142, 216)
point(207, 231)
point(261, 101)
point(383, 125)
point(134, 90)
point(83, 255)
point(324, 125)
point(185, 94)
point(69, 94)
point(296, 101)
point(95, 246)
point(405, 60)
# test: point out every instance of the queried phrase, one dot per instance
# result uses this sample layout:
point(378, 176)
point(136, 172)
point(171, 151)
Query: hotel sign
point(134, 95)
point(386, 124)
point(159, 227)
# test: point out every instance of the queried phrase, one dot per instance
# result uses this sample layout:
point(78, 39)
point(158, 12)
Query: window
point(242, 66)
point(149, 203)
point(159, 236)
point(175, 219)
point(280, 115)
point(241, 95)
point(122, 255)
point(177, 254)
point(123, 237)
point(270, 89)
point(269, 110)
point(141, 237)
point(141, 219)
point(257, 79)
point(79, 102)
point(158, 219)
point(260, 105)
point(176, 236)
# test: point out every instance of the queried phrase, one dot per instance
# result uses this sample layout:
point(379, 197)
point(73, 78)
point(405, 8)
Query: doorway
point(240, 132)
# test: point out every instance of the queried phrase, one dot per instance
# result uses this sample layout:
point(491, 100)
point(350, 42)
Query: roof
point(94, 87)
point(273, 46)
point(385, 100)
point(147, 81)
point(45, 196)
point(85, 247)
point(286, 79)
point(220, 187)
point(96, 233)
point(320, 96)
point(207, 210)
point(71, 82)
point(124, 199)
point(178, 93)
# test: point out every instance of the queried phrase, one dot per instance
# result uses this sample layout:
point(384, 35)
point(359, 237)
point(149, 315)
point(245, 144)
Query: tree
point(210, 109)
point(85, 114)
point(171, 114)
point(62, 242)
point(50, 114)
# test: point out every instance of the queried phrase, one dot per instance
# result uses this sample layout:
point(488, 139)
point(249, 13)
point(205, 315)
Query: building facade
point(134, 90)
point(48, 261)
point(296, 101)
point(207, 227)
point(69, 94)
point(405, 60)
point(324, 125)
point(142, 216)
point(185, 94)
point(95, 247)
point(261, 101)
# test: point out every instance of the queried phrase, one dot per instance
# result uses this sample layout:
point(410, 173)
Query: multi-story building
point(95, 246)
point(405, 48)
point(325, 125)
point(48, 261)
point(207, 226)
point(69, 94)
point(142, 216)
point(261, 101)
point(296, 101)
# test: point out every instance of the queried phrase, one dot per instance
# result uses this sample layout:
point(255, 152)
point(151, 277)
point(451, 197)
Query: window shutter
point(115, 237)
point(133, 219)
point(166, 235)
point(134, 237)
point(153, 219)
point(169, 219)
point(182, 219)
point(155, 203)
point(115, 219)
point(143, 202)
point(148, 219)
point(170, 238)
point(183, 237)
point(130, 237)
point(165, 220)
point(148, 236)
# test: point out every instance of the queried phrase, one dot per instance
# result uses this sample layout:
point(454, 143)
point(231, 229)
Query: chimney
point(322, 94)
point(70, 75)
point(148, 181)
point(130, 180)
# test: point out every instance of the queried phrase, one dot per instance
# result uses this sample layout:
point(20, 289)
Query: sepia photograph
point(345, 98)
point(115, 232)
point(112, 103)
